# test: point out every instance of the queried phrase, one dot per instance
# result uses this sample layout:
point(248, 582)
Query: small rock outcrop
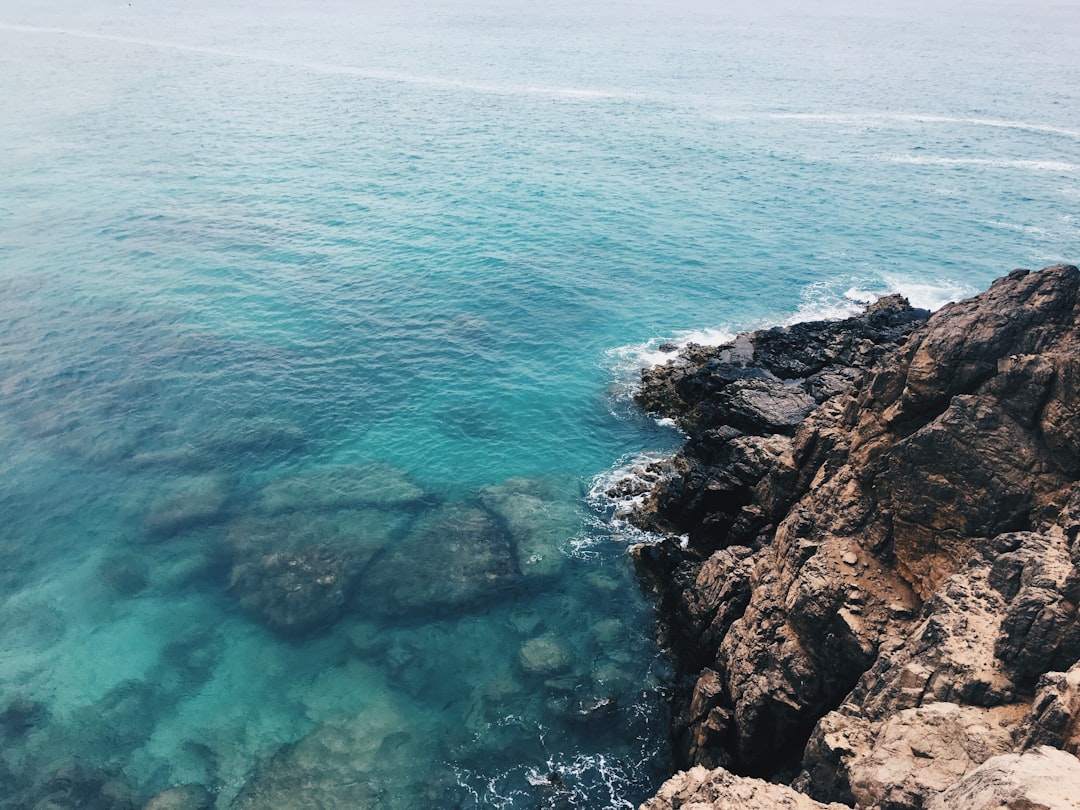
point(870, 575)
point(699, 788)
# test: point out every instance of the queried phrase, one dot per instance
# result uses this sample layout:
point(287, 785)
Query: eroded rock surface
point(876, 586)
point(701, 789)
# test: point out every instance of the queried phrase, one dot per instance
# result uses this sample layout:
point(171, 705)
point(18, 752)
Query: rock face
point(698, 789)
point(871, 572)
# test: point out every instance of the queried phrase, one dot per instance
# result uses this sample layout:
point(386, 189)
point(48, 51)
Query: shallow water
point(319, 321)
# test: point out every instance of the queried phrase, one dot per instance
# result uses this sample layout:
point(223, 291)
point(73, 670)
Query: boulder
point(453, 557)
point(297, 572)
point(294, 592)
point(701, 789)
point(1042, 778)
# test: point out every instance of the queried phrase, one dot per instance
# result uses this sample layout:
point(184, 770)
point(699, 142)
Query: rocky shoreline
point(871, 567)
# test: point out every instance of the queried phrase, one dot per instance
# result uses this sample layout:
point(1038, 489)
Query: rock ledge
point(871, 573)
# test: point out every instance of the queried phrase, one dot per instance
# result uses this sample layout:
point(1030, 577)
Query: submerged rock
point(294, 592)
point(543, 655)
point(356, 763)
point(20, 716)
point(182, 797)
point(877, 592)
point(353, 486)
point(453, 557)
point(77, 785)
point(541, 518)
point(297, 572)
point(187, 503)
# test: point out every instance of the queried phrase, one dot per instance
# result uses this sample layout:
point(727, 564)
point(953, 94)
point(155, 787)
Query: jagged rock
point(1054, 717)
point(701, 789)
point(1040, 779)
point(917, 753)
point(909, 541)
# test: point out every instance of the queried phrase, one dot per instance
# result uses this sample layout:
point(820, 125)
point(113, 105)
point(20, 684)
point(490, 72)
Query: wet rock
point(1040, 779)
point(875, 589)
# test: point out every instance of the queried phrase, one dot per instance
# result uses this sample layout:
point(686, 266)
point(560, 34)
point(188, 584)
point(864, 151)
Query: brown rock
point(884, 576)
point(1040, 779)
point(701, 789)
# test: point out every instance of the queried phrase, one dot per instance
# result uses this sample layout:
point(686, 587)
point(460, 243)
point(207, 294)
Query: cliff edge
point(871, 570)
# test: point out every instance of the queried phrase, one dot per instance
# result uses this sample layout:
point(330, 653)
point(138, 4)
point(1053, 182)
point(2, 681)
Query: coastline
point(870, 570)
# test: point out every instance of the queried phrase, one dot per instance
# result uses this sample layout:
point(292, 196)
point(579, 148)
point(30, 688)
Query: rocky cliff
point(871, 570)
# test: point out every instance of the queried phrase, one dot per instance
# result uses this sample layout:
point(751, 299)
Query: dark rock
point(297, 572)
point(76, 785)
point(20, 716)
point(1054, 716)
point(878, 573)
point(294, 592)
point(453, 557)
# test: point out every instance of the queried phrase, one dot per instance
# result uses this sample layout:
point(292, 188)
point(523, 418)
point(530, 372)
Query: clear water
point(369, 276)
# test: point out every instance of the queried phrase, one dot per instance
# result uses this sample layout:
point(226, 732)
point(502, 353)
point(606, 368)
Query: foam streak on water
point(320, 325)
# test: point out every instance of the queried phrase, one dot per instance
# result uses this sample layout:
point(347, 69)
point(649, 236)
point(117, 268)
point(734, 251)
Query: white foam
point(879, 119)
point(926, 295)
point(993, 163)
point(627, 361)
point(578, 93)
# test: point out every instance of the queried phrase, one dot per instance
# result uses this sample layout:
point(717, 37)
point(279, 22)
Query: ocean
point(319, 326)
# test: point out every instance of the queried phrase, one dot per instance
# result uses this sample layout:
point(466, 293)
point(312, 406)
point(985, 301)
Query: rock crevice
point(869, 579)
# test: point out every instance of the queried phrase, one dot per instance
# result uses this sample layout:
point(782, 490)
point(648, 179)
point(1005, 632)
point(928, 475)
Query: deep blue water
point(360, 290)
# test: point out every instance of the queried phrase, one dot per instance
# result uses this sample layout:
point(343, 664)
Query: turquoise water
point(347, 300)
